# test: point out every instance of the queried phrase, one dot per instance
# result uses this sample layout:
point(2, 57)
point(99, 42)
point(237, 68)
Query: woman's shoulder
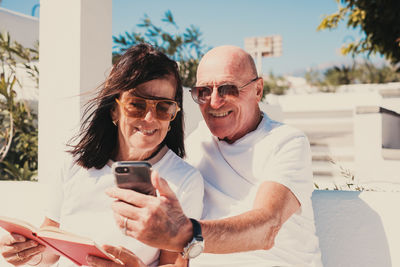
point(69, 166)
point(176, 164)
point(186, 182)
point(174, 169)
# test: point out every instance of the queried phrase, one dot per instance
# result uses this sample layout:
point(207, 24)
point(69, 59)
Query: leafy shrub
point(18, 123)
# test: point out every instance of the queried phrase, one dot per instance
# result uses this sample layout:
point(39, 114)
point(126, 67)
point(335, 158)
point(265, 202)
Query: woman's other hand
point(18, 250)
point(122, 255)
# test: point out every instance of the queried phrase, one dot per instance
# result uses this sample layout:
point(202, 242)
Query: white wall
point(358, 229)
point(22, 28)
point(75, 55)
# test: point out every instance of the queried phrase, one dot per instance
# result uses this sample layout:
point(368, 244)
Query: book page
point(19, 222)
point(17, 226)
point(57, 233)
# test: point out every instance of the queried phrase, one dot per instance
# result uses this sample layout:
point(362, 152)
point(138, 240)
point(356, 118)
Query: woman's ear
point(114, 112)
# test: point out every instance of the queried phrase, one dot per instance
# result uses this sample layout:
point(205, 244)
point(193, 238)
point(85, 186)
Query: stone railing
point(377, 144)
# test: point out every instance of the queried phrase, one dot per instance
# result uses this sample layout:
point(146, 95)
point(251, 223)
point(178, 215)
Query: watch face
point(195, 250)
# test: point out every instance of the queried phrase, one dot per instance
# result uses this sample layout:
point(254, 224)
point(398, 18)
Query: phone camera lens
point(121, 170)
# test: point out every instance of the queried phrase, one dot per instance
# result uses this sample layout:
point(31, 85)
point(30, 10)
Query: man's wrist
point(196, 246)
point(184, 236)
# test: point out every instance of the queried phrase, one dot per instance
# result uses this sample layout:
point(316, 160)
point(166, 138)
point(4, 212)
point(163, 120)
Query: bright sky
point(230, 21)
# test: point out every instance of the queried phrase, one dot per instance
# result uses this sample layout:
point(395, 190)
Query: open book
point(57, 241)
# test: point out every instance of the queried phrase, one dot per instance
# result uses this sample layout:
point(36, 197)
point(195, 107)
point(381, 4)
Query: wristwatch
point(196, 245)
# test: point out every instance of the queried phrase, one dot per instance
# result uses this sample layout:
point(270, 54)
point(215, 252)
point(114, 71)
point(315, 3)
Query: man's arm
point(255, 229)
point(160, 221)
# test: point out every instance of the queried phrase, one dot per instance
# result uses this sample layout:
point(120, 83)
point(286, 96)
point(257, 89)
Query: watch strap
point(196, 242)
point(196, 230)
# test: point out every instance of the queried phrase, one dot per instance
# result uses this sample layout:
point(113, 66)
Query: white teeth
point(147, 132)
point(219, 114)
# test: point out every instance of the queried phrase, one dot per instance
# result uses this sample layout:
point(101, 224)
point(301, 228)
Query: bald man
point(258, 179)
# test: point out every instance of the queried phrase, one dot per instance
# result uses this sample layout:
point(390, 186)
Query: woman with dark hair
point(136, 116)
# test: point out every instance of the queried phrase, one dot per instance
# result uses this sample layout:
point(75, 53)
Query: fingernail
point(119, 261)
point(19, 238)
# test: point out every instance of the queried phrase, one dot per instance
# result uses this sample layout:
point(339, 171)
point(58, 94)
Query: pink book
point(57, 241)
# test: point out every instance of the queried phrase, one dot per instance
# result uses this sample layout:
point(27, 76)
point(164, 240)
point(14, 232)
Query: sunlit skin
point(233, 117)
point(139, 138)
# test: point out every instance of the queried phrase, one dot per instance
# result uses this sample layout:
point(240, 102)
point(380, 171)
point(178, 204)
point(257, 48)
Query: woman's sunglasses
point(202, 94)
point(137, 107)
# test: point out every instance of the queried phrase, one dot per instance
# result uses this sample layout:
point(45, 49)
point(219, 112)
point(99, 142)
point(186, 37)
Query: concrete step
point(333, 169)
point(332, 125)
point(329, 153)
point(335, 150)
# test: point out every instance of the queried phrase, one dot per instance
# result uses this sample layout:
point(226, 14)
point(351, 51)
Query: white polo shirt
point(232, 174)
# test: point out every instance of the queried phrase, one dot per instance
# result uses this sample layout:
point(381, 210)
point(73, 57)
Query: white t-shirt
point(232, 174)
point(79, 203)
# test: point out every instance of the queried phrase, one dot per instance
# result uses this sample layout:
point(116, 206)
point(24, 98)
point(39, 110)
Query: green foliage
point(275, 85)
point(349, 183)
point(379, 21)
point(340, 75)
point(357, 73)
point(369, 73)
point(18, 134)
point(184, 47)
point(331, 78)
point(21, 160)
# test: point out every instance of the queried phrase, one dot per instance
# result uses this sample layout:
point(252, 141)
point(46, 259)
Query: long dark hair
point(98, 135)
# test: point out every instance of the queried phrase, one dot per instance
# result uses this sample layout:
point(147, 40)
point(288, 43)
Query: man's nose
point(216, 101)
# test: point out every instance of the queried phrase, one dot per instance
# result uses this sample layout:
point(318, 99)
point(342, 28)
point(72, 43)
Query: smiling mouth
point(219, 114)
point(146, 132)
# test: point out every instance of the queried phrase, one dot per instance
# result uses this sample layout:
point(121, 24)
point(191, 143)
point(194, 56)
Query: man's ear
point(259, 88)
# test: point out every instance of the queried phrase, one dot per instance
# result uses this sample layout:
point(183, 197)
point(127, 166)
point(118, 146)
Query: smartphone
point(134, 175)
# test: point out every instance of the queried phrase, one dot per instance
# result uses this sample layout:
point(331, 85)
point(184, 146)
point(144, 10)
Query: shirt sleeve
point(55, 193)
point(191, 194)
point(291, 167)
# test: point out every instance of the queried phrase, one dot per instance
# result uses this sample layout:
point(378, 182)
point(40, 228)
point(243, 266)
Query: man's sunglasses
point(137, 107)
point(202, 94)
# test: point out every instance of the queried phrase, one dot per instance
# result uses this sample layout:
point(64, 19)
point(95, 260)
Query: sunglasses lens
point(166, 110)
point(136, 107)
point(228, 90)
point(201, 94)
